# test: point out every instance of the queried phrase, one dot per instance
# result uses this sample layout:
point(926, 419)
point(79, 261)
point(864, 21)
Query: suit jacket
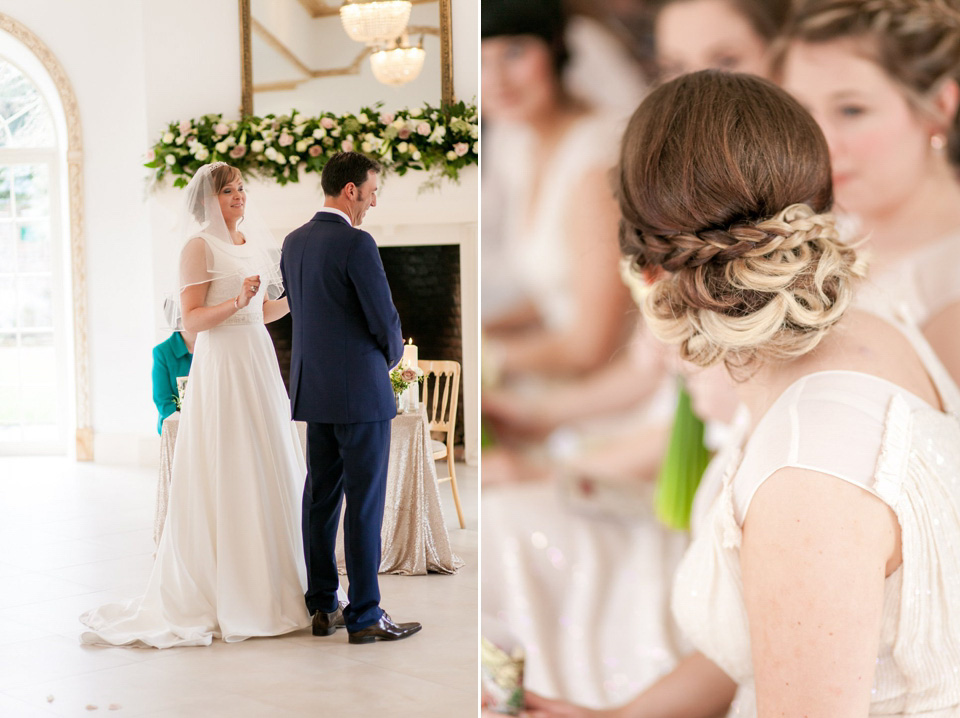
point(171, 359)
point(346, 330)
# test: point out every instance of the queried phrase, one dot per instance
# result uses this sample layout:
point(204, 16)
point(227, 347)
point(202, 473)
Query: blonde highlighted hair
point(725, 185)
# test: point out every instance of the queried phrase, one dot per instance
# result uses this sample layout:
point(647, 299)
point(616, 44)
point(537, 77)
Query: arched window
point(35, 400)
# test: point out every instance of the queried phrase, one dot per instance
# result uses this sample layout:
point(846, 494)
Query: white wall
point(136, 65)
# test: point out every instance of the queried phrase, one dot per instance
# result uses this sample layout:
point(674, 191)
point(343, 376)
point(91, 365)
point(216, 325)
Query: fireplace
point(425, 283)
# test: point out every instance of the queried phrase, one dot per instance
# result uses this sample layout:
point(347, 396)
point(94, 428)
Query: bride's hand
point(251, 285)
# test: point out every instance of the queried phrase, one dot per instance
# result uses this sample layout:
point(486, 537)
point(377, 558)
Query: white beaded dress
point(897, 447)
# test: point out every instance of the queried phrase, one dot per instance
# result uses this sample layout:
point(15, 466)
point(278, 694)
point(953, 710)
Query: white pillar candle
point(410, 357)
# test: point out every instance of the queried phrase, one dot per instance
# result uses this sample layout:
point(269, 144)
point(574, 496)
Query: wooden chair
point(439, 393)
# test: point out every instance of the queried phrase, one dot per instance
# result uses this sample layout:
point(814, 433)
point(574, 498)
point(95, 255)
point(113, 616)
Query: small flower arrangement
point(438, 140)
point(402, 377)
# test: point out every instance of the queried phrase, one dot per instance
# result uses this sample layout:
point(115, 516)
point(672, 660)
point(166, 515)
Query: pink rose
point(386, 119)
point(423, 129)
point(409, 375)
point(238, 151)
point(221, 128)
point(151, 155)
point(185, 127)
point(461, 148)
point(326, 123)
point(285, 140)
point(315, 150)
point(404, 133)
point(347, 146)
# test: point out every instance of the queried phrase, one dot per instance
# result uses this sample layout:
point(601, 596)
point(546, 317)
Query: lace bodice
point(897, 447)
point(231, 265)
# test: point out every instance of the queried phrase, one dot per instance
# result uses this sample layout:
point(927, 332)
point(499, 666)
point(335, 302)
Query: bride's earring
point(938, 142)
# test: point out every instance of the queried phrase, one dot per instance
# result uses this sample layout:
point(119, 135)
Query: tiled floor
point(73, 536)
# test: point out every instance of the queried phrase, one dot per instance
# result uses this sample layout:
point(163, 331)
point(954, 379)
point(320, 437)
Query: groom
point(346, 336)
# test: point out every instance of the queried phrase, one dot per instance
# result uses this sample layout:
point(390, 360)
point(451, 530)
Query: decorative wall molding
point(71, 110)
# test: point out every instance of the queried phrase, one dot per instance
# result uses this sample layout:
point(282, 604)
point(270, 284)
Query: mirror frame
point(246, 55)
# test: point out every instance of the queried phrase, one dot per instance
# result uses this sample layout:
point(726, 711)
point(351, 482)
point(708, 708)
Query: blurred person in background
point(881, 79)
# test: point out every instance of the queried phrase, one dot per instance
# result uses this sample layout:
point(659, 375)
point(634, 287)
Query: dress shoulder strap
point(833, 422)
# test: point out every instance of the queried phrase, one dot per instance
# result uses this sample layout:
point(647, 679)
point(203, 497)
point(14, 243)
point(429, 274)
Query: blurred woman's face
point(518, 79)
point(707, 35)
point(879, 147)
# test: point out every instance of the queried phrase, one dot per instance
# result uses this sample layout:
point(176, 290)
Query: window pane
point(24, 119)
point(8, 303)
point(36, 301)
point(8, 248)
point(33, 248)
point(38, 405)
point(9, 407)
point(38, 359)
point(31, 190)
point(9, 365)
point(4, 190)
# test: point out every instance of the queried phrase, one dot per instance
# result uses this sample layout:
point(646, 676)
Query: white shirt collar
point(334, 210)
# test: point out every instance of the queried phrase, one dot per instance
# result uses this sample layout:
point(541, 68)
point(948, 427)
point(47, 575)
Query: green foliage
point(437, 140)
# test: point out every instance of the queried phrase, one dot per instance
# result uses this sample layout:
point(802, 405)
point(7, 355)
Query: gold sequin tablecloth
point(414, 536)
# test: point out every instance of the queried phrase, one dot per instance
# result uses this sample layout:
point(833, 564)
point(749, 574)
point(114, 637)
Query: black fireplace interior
point(425, 283)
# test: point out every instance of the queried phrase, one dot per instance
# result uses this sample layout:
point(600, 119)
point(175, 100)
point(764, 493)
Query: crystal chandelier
point(398, 65)
point(375, 22)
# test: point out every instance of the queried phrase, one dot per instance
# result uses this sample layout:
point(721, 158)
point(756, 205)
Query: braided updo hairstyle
point(724, 183)
point(916, 42)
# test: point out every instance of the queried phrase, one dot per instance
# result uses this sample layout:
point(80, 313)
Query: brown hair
point(724, 181)
point(915, 42)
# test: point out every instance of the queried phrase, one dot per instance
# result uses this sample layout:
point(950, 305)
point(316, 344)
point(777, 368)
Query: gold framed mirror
point(296, 53)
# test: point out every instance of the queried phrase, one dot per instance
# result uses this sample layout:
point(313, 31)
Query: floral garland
point(439, 140)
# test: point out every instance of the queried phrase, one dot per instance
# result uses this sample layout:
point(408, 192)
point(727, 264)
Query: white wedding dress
point(230, 561)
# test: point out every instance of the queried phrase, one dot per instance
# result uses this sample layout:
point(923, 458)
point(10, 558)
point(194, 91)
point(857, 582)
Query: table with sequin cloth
point(414, 535)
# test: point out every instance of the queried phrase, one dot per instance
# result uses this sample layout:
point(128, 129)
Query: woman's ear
point(946, 103)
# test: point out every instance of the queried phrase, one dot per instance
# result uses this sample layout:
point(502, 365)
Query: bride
point(229, 564)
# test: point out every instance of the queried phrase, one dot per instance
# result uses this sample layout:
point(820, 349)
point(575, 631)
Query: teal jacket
point(170, 360)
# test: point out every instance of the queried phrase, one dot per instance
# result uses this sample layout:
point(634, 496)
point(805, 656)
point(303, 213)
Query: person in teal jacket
point(171, 359)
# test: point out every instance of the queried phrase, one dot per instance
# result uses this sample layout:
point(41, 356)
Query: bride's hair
point(915, 42)
point(220, 176)
point(724, 183)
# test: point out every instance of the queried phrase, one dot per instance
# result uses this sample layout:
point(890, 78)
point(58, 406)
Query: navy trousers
point(345, 461)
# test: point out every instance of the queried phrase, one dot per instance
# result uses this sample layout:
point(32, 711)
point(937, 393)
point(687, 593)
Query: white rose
point(180, 140)
point(349, 138)
point(170, 160)
point(302, 146)
point(319, 133)
point(281, 159)
point(362, 118)
point(168, 137)
point(370, 137)
point(403, 147)
point(474, 131)
point(416, 112)
point(295, 120)
point(451, 155)
point(476, 148)
point(222, 147)
point(366, 147)
point(256, 146)
point(399, 124)
point(271, 153)
point(202, 153)
point(335, 132)
point(298, 130)
point(415, 156)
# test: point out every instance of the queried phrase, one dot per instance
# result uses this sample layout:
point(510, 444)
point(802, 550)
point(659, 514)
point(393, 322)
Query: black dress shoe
point(326, 624)
point(384, 630)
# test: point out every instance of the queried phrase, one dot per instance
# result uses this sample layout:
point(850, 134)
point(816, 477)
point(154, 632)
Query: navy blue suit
point(346, 336)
